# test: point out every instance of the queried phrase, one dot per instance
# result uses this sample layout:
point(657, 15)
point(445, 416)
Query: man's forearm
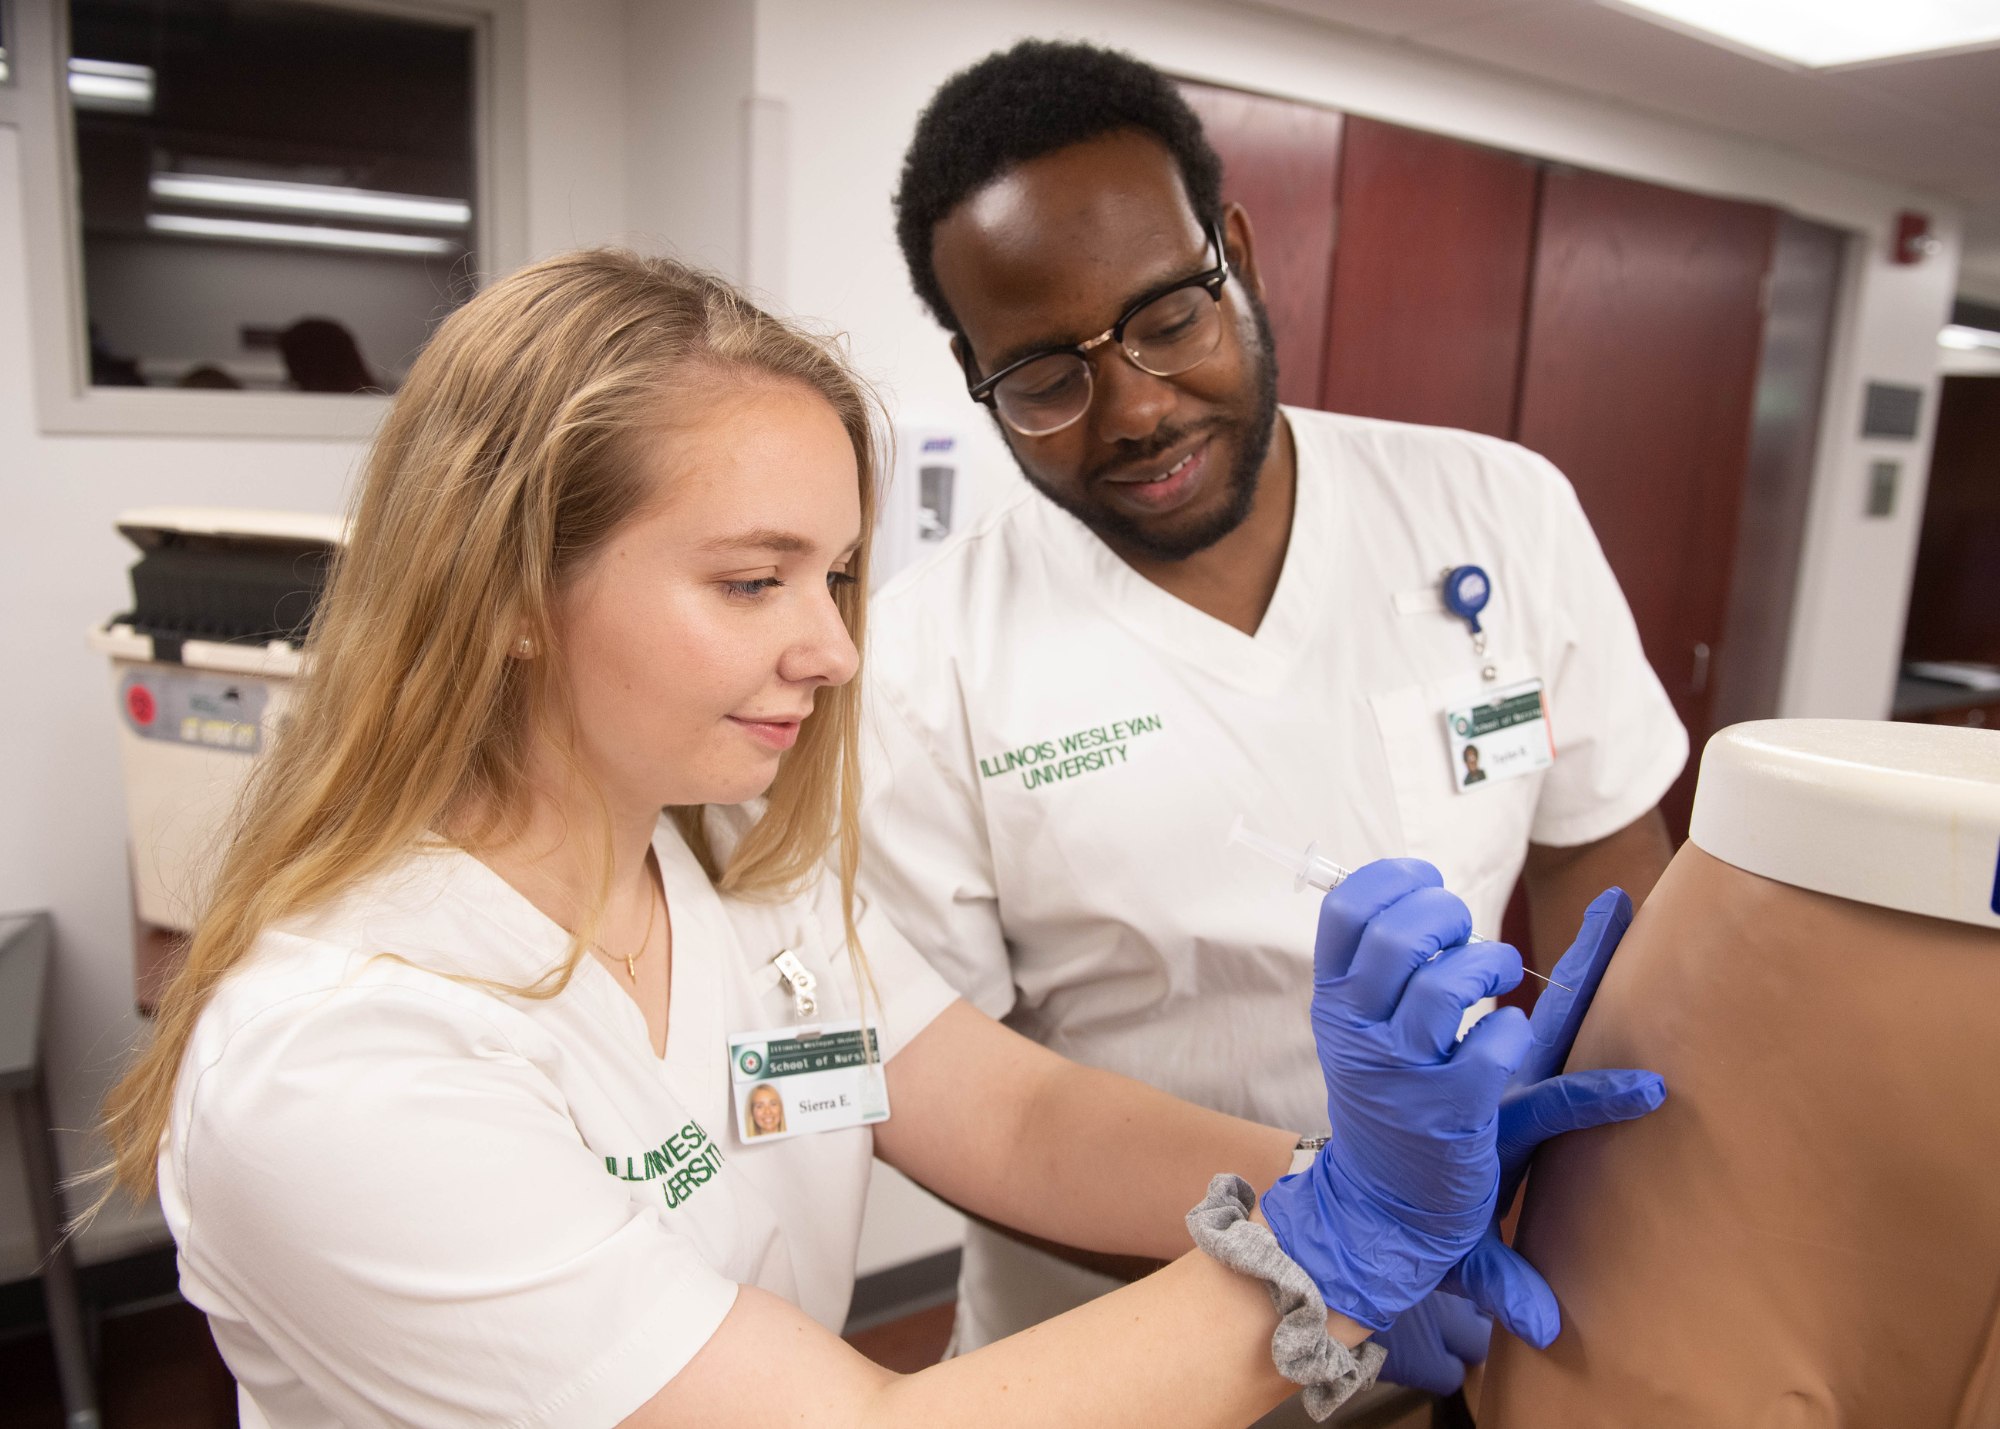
point(1122, 1183)
point(1562, 881)
point(1020, 1137)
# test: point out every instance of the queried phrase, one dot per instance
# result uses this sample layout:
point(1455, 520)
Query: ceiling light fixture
point(109, 85)
point(1826, 34)
point(1969, 339)
point(244, 230)
point(327, 200)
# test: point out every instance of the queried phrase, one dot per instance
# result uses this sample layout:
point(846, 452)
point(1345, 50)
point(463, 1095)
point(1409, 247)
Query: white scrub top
point(1059, 748)
point(401, 1199)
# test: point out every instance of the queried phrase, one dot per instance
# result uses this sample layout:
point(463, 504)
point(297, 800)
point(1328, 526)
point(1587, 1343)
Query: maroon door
point(1641, 364)
point(1430, 279)
point(1279, 161)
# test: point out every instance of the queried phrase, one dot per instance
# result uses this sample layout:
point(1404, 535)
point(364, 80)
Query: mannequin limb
point(1808, 1232)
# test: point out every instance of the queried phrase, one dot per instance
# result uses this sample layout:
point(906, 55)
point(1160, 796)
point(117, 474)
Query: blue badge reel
point(1466, 591)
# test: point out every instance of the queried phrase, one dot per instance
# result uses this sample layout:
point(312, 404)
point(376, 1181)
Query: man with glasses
point(1207, 607)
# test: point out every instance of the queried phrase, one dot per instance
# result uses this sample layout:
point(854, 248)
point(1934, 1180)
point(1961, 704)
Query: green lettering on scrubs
point(683, 1163)
point(1069, 756)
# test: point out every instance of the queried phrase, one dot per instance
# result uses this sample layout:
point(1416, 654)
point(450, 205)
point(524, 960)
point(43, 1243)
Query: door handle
point(1699, 680)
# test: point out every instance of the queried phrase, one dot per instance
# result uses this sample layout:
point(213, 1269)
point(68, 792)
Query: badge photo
point(793, 1081)
point(1501, 736)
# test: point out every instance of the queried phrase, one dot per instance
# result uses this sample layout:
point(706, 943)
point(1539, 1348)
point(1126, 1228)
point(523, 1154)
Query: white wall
point(688, 76)
point(851, 78)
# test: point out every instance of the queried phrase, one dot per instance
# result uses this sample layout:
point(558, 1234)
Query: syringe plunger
point(1310, 870)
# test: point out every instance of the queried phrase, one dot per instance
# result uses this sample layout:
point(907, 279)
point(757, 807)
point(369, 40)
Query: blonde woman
point(440, 1108)
point(767, 1111)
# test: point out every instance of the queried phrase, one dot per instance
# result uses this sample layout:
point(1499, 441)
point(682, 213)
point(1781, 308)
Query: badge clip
point(1466, 592)
point(796, 976)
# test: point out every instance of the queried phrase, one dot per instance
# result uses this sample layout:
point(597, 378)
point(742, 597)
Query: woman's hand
point(1408, 1181)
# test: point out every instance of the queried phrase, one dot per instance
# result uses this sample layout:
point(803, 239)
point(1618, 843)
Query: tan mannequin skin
point(1807, 1233)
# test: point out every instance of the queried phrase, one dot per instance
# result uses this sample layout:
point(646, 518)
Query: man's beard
point(1121, 531)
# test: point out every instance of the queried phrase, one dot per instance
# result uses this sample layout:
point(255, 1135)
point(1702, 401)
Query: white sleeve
point(399, 1205)
point(925, 861)
point(1619, 744)
point(911, 990)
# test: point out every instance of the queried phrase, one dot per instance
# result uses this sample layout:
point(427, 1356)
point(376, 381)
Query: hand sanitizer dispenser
point(916, 509)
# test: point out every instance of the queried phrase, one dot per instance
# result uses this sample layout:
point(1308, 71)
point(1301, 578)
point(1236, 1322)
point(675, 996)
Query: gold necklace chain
point(652, 908)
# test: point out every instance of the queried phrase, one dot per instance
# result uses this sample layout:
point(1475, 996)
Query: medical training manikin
point(1808, 1232)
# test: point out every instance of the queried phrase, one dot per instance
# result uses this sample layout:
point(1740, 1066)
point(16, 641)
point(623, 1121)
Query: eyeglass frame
point(1212, 279)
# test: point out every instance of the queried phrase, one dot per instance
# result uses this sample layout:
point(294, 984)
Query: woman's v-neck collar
point(1259, 662)
point(691, 1003)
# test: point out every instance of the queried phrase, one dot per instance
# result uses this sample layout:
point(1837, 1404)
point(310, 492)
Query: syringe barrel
point(1318, 872)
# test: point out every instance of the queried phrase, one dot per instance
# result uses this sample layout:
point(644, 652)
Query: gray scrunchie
point(1300, 1347)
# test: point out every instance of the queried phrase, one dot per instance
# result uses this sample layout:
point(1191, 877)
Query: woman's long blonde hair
point(510, 454)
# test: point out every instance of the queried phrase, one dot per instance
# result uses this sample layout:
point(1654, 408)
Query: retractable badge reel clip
point(1467, 589)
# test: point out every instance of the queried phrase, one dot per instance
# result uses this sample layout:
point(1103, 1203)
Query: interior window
point(275, 196)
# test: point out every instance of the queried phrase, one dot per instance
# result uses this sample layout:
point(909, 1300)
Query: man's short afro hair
point(1019, 104)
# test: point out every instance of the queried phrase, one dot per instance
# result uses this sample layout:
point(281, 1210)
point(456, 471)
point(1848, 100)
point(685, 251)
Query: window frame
point(65, 401)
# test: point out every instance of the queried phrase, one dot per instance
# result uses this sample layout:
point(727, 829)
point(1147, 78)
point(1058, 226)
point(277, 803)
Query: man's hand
point(1434, 1342)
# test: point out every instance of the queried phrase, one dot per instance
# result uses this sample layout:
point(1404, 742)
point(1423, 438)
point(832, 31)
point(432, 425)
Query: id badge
point(785, 1084)
point(1504, 735)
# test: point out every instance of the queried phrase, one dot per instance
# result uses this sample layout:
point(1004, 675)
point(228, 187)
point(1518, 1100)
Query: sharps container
point(201, 669)
point(1808, 1232)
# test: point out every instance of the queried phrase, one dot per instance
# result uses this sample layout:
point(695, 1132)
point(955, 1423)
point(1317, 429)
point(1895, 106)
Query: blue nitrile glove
point(1540, 1103)
point(1408, 1180)
point(1433, 1342)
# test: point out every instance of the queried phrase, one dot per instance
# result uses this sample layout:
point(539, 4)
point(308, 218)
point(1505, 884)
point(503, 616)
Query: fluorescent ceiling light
point(1818, 34)
point(246, 230)
point(106, 84)
point(1969, 339)
point(324, 199)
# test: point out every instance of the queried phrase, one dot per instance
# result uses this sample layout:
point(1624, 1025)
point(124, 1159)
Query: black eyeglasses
point(1165, 333)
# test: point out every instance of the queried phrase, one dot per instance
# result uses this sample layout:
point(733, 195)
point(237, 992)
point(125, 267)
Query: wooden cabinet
point(1430, 279)
point(1639, 369)
point(1279, 161)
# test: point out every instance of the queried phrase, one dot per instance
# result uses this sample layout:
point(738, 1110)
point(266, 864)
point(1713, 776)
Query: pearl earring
point(525, 647)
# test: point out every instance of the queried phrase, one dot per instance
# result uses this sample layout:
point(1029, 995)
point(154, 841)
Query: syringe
point(1311, 869)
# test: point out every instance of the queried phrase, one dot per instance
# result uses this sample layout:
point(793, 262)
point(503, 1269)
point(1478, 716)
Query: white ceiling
point(1932, 123)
